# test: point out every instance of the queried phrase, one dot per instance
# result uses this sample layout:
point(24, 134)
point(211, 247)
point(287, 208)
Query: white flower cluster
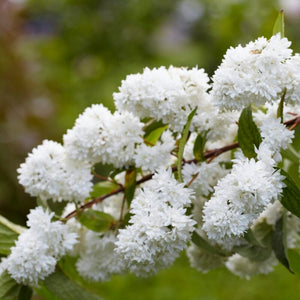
point(260, 72)
point(238, 200)
point(38, 249)
point(48, 173)
point(165, 94)
point(100, 136)
point(159, 228)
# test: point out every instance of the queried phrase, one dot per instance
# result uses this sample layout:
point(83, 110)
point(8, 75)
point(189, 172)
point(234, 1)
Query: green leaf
point(203, 244)
point(58, 286)
point(294, 260)
point(251, 238)
point(280, 106)
point(199, 145)
point(290, 195)
point(152, 126)
point(279, 25)
point(182, 143)
point(9, 233)
point(11, 290)
point(57, 207)
point(130, 185)
point(155, 134)
point(248, 134)
point(252, 252)
point(103, 188)
point(68, 266)
point(96, 220)
point(279, 243)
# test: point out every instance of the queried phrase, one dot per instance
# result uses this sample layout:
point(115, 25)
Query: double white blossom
point(48, 173)
point(100, 136)
point(159, 228)
point(38, 249)
point(165, 94)
point(257, 73)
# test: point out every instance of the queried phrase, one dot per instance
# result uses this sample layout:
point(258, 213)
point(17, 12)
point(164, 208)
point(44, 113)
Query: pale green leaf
point(103, 188)
point(279, 25)
point(130, 185)
point(153, 136)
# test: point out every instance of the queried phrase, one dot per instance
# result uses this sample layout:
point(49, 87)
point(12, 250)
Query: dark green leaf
point(57, 207)
point(203, 244)
point(103, 188)
point(279, 25)
point(9, 232)
point(199, 145)
point(25, 293)
point(294, 260)
point(11, 290)
point(291, 195)
point(279, 243)
point(58, 286)
point(96, 220)
point(248, 134)
point(154, 135)
point(130, 185)
point(182, 143)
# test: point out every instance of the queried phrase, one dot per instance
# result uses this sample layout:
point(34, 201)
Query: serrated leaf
point(130, 185)
point(294, 260)
point(96, 220)
point(279, 25)
point(58, 286)
point(279, 243)
point(11, 290)
point(9, 233)
point(103, 188)
point(199, 145)
point(57, 207)
point(248, 133)
point(290, 195)
point(182, 143)
point(203, 244)
point(153, 136)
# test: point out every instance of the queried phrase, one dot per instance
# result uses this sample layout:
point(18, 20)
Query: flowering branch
point(208, 154)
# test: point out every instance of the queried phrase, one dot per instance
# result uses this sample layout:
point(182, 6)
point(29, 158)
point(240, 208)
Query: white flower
point(165, 94)
point(239, 198)
point(275, 134)
point(160, 228)
point(98, 260)
point(99, 136)
point(246, 268)
point(152, 158)
point(207, 178)
point(38, 249)
point(49, 174)
point(253, 74)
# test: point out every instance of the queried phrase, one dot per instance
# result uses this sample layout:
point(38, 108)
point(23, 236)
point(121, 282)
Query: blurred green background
point(59, 56)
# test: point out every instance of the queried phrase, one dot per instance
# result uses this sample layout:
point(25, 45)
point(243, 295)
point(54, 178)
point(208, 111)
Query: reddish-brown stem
point(208, 154)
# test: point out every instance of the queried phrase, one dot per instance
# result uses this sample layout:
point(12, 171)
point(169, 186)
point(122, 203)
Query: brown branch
point(208, 154)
